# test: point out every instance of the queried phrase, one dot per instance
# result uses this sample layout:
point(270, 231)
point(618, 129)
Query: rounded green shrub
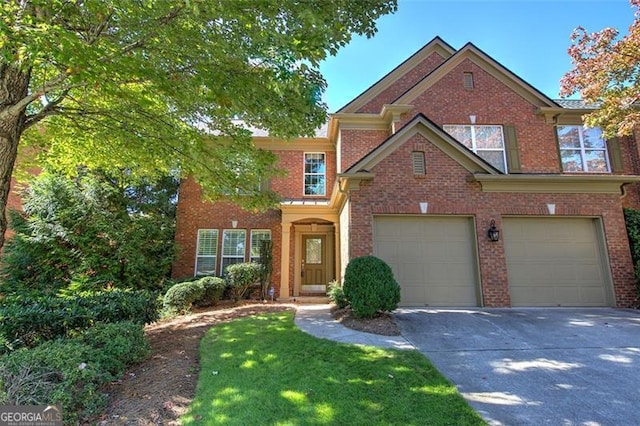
point(213, 290)
point(370, 287)
point(241, 276)
point(181, 296)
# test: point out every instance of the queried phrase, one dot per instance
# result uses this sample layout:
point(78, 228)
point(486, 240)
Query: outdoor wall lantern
point(493, 233)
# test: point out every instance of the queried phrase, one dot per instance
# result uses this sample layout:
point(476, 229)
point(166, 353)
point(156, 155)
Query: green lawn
point(263, 370)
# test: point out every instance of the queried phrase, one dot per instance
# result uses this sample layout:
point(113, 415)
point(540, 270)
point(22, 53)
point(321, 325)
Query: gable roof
point(437, 45)
point(487, 63)
point(420, 124)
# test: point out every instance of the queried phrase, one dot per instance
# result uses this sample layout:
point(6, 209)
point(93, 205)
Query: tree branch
point(21, 105)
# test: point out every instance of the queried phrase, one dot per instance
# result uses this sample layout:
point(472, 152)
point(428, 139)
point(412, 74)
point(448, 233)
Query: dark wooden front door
point(314, 268)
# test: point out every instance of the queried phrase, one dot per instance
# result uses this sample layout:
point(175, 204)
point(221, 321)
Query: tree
point(90, 233)
point(606, 72)
point(154, 85)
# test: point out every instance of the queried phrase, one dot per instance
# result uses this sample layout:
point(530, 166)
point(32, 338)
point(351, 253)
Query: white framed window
point(582, 149)
point(486, 141)
point(233, 247)
point(315, 171)
point(206, 252)
point(257, 236)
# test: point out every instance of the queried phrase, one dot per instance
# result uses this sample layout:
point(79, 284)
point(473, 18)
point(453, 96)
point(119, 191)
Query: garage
point(556, 262)
point(433, 258)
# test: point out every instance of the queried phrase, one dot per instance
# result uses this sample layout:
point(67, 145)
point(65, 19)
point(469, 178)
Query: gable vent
point(419, 167)
point(467, 80)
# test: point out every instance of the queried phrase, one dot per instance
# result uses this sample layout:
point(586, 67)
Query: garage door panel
point(436, 264)
point(555, 262)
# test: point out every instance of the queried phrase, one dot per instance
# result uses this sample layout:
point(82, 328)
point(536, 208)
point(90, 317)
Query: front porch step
point(309, 299)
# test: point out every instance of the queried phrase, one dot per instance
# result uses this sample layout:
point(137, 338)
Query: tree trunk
point(14, 86)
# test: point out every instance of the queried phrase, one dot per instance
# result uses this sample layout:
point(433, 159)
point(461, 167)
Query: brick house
point(417, 170)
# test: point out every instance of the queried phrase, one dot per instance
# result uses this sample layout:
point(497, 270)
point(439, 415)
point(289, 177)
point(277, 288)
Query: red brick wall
point(194, 214)
point(404, 83)
point(395, 190)
point(355, 144)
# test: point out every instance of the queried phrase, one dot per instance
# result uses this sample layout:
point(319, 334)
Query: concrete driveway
point(536, 366)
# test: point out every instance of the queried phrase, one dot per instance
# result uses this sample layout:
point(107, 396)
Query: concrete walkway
point(317, 321)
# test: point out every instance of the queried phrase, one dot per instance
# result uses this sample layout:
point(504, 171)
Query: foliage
point(632, 221)
point(71, 371)
point(29, 322)
point(90, 233)
point(336, 295)
point(213, 289)
point(606, 70)
point(318, 381)
point(266, 261)
point(241, 276)
point(181, 296)
point(370, 287)
point(157, 86)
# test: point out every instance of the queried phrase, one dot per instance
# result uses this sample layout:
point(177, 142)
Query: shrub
point(241, 276)
point(336, 295)
point(181, 296)
point(632, 221)
point(70, 372)
point(370, 287)
point(213, 290)
point(29, 322)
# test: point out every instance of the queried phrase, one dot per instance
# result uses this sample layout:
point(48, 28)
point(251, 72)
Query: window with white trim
point(315, 173)
point(206, 252)
point(257, 237)
point(486, 141)
point(233, 247)
point(582, 149)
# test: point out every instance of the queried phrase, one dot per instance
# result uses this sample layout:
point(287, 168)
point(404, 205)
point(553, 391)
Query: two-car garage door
point(550, 261)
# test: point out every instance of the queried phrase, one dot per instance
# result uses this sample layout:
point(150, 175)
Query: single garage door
point(555, 262)
point(433, 258)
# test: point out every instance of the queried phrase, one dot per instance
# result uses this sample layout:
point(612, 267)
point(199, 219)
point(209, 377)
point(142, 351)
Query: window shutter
point(511, 145)
point(615, 156)
point(419, 167)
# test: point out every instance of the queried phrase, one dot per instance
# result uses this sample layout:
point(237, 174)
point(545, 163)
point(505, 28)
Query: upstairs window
point(485, 141)
point(314, 174)
point(582, 149)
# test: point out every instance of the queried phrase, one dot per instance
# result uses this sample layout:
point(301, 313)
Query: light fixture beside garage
point(493, 232)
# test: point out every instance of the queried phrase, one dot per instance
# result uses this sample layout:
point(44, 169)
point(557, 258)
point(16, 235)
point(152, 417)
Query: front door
point(314, 271)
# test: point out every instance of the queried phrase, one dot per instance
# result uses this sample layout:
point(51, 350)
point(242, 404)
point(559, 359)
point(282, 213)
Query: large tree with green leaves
point(154, 85)
point(606, 72)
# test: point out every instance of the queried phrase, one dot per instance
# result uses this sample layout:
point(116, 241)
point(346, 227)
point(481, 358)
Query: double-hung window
point(315, 173)
point(257, 237)
point(486, 141)
point(233, 247)
point(206, 252)
point(582, 149)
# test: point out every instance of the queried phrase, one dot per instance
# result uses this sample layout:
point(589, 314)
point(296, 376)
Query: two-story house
point(475, 187)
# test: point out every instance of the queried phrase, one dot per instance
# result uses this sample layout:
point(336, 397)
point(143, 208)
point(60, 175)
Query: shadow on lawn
point(264, 370)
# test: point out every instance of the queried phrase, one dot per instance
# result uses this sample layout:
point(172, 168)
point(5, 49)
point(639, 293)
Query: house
point(417, 170)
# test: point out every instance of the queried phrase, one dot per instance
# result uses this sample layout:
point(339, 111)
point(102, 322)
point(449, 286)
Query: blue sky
point(529, 37)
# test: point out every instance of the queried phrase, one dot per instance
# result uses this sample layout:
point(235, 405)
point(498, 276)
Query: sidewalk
point(317, 321)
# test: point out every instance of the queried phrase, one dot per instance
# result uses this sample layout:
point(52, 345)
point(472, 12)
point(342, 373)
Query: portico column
point(284, 260)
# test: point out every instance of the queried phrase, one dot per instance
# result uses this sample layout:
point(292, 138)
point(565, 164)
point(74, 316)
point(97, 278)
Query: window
point(467, 80)
point(314, 174)
point(582, 149)
point(257, 237)
point(486, 141)
point(419, 167)
point(206, 251)
point(233, 245)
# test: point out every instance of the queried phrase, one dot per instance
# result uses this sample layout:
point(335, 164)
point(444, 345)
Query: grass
point(263, 370)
